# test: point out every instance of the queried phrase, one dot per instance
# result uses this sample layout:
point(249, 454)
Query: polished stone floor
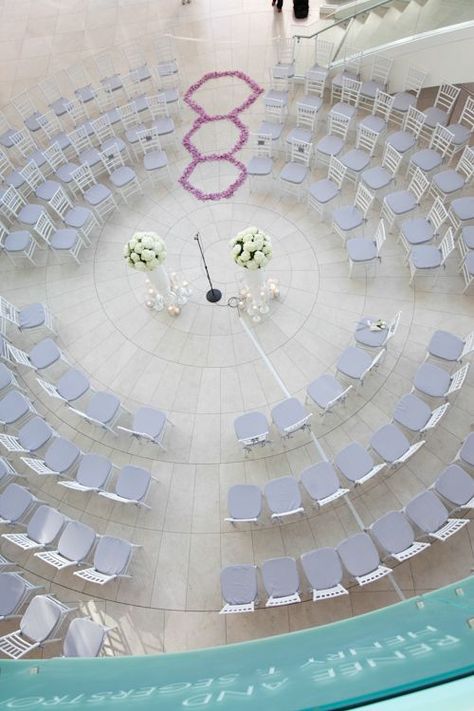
point(202, 367)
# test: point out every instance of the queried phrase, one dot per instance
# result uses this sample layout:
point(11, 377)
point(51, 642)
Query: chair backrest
point(83, 177)
point(80, 139)
point(149, 140)
point(383, 104)
point(76, 541)
point(323, 51)
point(50, 124)
point(12, 201)
point(306, 115)
point(380, 236)
point(5, 164)
point(337, 171)
point(24, 143)
point(77, 111)
point(262, 144)
point(457, 379)
point(55, 156)
point(102, 128)
point(275, 111)
point(165, 48)
point(157, 105)
point(373, 364)
point(418, 185)
point(78, 75)
point(128, 115)
point(363, 199)
point(135, 56)
point(467, 114)
point(352, 60)
point(393, 326)
point(447, 245)
point(468, 344)
point(392, 159)
point(436, 416)
point(32, 174)
point(381, 67)
point(43, 615)
point(112, 158)
point(15, 501)
point(44, 227)
point(465, 164)
point(413, 122)
point(366, 139)
point(301, 152)
point(314, 83)
point(278, 82)
point(60, 202)
point(9, 311)
point(50, 89)
point(446, 97)
point(132, 84)
point(338, 124)
point(437, 215)
point(427, 511)
point(285, 49)
point(415, 79)
point(350, 93)
point(441, 139)
point(23, 103)
point(49, 389)
point(4, 124)
point(104, 99)
point(105, 65)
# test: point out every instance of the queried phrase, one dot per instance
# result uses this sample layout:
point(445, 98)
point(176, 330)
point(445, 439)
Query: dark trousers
point(280, 4)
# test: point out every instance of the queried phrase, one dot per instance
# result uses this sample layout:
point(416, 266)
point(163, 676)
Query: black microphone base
point(214, 295)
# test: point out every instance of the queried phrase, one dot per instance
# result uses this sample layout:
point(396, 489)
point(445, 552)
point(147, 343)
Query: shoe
point(279, 9)
point(273, 3)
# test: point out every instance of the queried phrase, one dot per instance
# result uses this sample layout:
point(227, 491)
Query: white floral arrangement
point(251, 249)
point(145, 251)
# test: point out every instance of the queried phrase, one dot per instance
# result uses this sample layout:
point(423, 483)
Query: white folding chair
point(75, 217)
point(132, 486)
point(349, 101)
point(106, 137)
point(19, 243)
point(356, 364)
point(447, 183)
point(431, 158)
point(274, 121)
point(333, 142)
point(27, 317)
point(239, 589)
point(314, 84)
point(358, 158)
point(379, 118)
point(404, 141)
point(350, 70)
point(28, 112)
point(323, 53)
point(426, 258)
point(323, 570)
point(431, 516)
point(379, 178)
point(81, 82)
point(397, 204)
point(323, 192)
point(377, 81)
point(97, 196)
point(362, 251)
point(108, 75)
point(112, 558)
point(303, 131)
point(402, 100)
point(52, 129)
point(61, 166)
point(442, 108)
point(59, 240)
point(285, 51)
point(155, 160)
point(74, 546)
point(42, 188)
point(421, 230)
point(43, 617)
point(122, 177)
point(278, 94)
point(261, 163)
point(463, 127)
point(348, 218)
point(148, 424)
point(161, 120)
point(294, 174)
point(361, 559)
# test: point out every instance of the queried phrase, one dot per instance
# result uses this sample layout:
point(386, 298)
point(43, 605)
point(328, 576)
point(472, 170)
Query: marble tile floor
point(204, 371)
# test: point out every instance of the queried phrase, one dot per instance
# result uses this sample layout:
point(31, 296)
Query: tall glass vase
point(161, 281)
point(257, 293)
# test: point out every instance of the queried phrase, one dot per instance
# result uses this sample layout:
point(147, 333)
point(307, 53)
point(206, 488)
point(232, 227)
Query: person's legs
point(279, 4)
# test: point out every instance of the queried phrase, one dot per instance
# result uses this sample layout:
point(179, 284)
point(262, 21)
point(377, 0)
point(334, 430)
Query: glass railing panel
point(417, 643)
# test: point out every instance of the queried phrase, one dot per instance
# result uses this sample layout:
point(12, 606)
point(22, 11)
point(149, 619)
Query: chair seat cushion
point(354, 461)
point(61, 455)
point(347, 217)
point(32, 316)
point(310, 100)
point(64, 239)
point(353, 362)
point(417, 231)
point(77, 217)
point(320, 480)
point(400, 202)
point(90, 156)
point(361, 250)
point(260, 165)
point(402, 141)
point(113, 115)
point(377, 177)
point(149, 421)
point(30, 213)
point(375, 123)
point(17, 241)
point(425, 256)
point(112, 146)
point(122, 176)
point(112, 83)
point(131, 133)
point(103, 407)
point(467, 236)
point(449, 181)
point(44, 354)
point(33, 122)
point(13, 407)
point(427, 159)
point(445, 345)
point(143, 73)
point(155, 160)
point(356, 160)
point(461, 133)
point(363, 334)
point(60, 105)
point(288, 413)
point(456, 485)
point(250, 425)
point(299, 134)
point(434, 116)
point(46, 190)
point(34, 434)
point(6, 137)
point(239, 584)
point(133, 483)
point(6, 377)
point(276, 98)
point(324, 389)
point(412, 413)
point(93, 471)
point(38, 158)
point(323, 190)
point(338, 78)
point(64, 172)
point(468, 264)
point(403, 100)
point(432, 380)
point(15, 179)
point(62, 139)
point(166, 69)
point(111, 555)
point(369, 88)
point(294, 173)
point(463, 208)
point(389, 443)
point(140, 103)
point(85, 93)
point(97, 194)
point(163, 125)
point(244, 501)
point(344, 109)
point(330, 145)
point(171, 95)
point(283, 70)
point(72, 385)
point(467, 450)
point(268, 128)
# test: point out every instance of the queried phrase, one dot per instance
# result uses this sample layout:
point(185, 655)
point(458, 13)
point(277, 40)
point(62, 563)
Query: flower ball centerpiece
point(251, 249)
point(145, 252)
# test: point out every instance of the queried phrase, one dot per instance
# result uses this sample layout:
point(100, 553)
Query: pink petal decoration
point(204, 118)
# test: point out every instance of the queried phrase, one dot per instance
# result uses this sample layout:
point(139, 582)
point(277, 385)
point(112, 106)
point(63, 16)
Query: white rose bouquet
point(145, 251)
point(251, 249)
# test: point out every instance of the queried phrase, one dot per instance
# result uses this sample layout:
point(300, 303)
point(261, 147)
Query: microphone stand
point(213, 295)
